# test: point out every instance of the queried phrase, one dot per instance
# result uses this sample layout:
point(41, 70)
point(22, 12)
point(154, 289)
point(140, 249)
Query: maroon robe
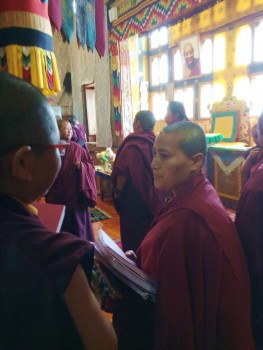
point(79, 135)
point(203, 293)
point(139, 201)
point(193, 70)
point(36, 268)
point(249, 223)
point(76, 189)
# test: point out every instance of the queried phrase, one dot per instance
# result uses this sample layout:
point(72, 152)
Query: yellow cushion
point(225, 123)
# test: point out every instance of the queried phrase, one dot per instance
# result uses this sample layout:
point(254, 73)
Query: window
point(205, 100)
point(242, 89)
point(219, 52)
point(159, 105)
point(209, 93)
point(244, 53)
point(207, 56)
point(186, 96)
point(177, 65)
point(256, 102)
point(258, 34)
point(158, 38)
point(159, 69)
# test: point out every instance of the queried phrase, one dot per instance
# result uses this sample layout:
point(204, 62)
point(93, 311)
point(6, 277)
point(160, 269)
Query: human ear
point(20, 164)
point(198, 160)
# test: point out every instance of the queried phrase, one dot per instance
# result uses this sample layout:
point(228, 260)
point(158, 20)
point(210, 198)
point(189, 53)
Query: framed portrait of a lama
point(190, 52)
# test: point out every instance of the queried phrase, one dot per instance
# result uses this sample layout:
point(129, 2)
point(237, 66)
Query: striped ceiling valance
point(150, 14)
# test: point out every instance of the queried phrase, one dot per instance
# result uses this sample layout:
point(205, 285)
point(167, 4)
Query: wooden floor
point(110, 226)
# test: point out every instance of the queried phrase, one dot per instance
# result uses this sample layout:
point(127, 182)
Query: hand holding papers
point(111, 256)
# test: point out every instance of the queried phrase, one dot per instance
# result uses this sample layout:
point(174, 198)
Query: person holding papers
point(193, 252)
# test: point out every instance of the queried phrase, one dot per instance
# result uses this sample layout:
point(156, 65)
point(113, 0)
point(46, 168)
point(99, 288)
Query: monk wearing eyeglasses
point(45, 298)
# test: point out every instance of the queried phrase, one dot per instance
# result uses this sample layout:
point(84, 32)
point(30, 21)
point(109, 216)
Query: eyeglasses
point(55, 146)
point(8, 149)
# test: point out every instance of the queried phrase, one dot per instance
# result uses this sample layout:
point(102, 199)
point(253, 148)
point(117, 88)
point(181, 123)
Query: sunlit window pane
point(178, 69)
point(159, 105)
point(258, 48)
point(155, 71)
point(189, 102)
point(242, 89)
point(218, 92)
point(186, 96)
point(163, 36)
point(256, 103)
point(206, 96)
point(179, 95)
point(219, 56)
point(243, 55)
point(154, 39)
point(207, 56)
point(163, 66)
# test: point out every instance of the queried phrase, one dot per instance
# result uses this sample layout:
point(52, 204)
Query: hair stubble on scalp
point(25, 114)
point(192, 138)
point(147, 119)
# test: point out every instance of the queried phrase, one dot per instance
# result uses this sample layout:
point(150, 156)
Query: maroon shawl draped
point(140, 201)
point(36, 268)
point(76, 189)
point(249, 223)
point(203, 293)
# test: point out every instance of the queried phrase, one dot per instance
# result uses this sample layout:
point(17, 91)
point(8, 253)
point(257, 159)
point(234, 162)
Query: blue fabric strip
point(25, 37)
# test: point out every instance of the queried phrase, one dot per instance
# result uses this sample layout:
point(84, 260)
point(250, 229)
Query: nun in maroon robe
point(193, 252)
point(249, 223)
point(136, 199)
point(75, 187)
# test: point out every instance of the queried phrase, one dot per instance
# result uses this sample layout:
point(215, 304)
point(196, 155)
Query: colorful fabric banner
point(26, 43)
point(150, 14)
point(91, 26)
point(67, 28)
point(82, 21)
point(54, 12)
point(100, 27)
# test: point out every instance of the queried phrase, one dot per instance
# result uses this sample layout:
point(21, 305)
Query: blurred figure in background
point(252, 156)
point(135, 198)
point(175, 112)
point(75, 186)
point(78, 132)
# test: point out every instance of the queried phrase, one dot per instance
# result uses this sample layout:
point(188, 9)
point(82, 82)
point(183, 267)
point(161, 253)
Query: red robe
point(76, 189)
point(140, 200)
point(203, 292)
point(79, 135)
point(36, 268)
point(249, 223)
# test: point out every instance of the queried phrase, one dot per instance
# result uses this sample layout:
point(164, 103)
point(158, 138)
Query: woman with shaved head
point(193, 252)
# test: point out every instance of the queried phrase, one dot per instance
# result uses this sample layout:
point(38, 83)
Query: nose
point(154, 164)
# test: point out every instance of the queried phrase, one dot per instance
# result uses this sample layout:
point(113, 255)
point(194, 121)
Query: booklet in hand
point(109, 254)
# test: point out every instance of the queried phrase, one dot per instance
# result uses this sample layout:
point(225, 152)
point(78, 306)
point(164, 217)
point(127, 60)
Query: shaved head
point(25, 115)
point(192, 137)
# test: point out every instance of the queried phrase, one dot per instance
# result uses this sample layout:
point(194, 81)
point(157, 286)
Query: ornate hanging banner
point(149, 14)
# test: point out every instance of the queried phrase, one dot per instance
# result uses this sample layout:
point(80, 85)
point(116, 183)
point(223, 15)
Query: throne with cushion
point(230, 119)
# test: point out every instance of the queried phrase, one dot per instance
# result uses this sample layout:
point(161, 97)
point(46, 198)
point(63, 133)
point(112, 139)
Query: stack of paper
point(109, 254)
